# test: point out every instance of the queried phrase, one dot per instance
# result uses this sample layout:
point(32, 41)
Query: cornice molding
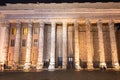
point(97, 5)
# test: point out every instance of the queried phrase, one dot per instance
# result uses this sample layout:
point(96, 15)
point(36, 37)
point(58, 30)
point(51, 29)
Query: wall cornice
point(97, 5)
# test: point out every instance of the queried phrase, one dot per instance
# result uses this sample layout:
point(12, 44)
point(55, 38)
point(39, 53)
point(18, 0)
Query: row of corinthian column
point(39, 66)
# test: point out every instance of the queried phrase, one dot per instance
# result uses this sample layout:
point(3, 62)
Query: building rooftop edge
point(97, 5)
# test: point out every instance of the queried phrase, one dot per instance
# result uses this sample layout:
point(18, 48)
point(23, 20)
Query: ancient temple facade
point(65, 35)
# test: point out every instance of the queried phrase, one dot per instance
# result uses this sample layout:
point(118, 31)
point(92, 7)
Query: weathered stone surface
point(64, 45)
point(17, 44)
point(114, 54)
point(52, 53)
point(101, 44)
point(41, 47)
point(89, 45)
point(28, 47)
point(76, 46)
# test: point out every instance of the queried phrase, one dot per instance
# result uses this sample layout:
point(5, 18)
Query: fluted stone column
point(64, 46)
point(115, 63)
point(17, 45)
point(52, 52)
point(4, 44)
point(77, 51)
point(41, 47)
point(89, 46)
point(101, 45)
point(28, 47)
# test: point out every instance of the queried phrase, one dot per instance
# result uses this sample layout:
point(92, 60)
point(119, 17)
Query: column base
point(90, 66)
point(27, 66)
point(64, 66)
point(77, 67)
point(39, 66)
point(103, 66)
point(15, 66)
point(51, 67)
point(1, 66)
point(116, 66)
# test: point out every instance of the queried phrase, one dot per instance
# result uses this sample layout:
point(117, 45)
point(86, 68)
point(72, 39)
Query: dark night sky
point(55, 1)
point(2, 2)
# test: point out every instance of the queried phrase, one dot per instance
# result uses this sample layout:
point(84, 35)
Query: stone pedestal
point(76, 37)
point(89, 46)
point(101, 45)
point(52, 53)
point(41, 47)
point(114, 54)
point(28, 47)
point(64, 45)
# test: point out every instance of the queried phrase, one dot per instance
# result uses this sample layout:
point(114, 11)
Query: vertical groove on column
point(76, 39)
point(115, 63)
point(28, 47)
point(52, 53)
point(89, 46)
point(64, 44)
point(101, 45)
point(17, 45)
point(4, 43)
point(41, 47)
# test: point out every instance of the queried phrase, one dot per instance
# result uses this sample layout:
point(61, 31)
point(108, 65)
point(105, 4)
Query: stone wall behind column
point(118, 43)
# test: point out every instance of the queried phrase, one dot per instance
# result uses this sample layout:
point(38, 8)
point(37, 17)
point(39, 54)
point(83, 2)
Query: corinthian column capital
point(18, 24)
point(87, 22)
point(88, 25)
point(53, 23)
point(111, 23)
point(29, 24)
point(99, 25)
point(41, 24)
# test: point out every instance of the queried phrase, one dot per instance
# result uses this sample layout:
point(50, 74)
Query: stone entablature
point(97, 5)
point(60, 11)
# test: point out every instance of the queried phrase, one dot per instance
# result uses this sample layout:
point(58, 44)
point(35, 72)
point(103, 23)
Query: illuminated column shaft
point(1, 42)
point(64, 44)
point(52, 53)
point(89, 46)
point(41, 47)
point(17, 44)
point(4, 43)
point(101, 45)
point(28, 47)
point(115, 63)
point(76, 39)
